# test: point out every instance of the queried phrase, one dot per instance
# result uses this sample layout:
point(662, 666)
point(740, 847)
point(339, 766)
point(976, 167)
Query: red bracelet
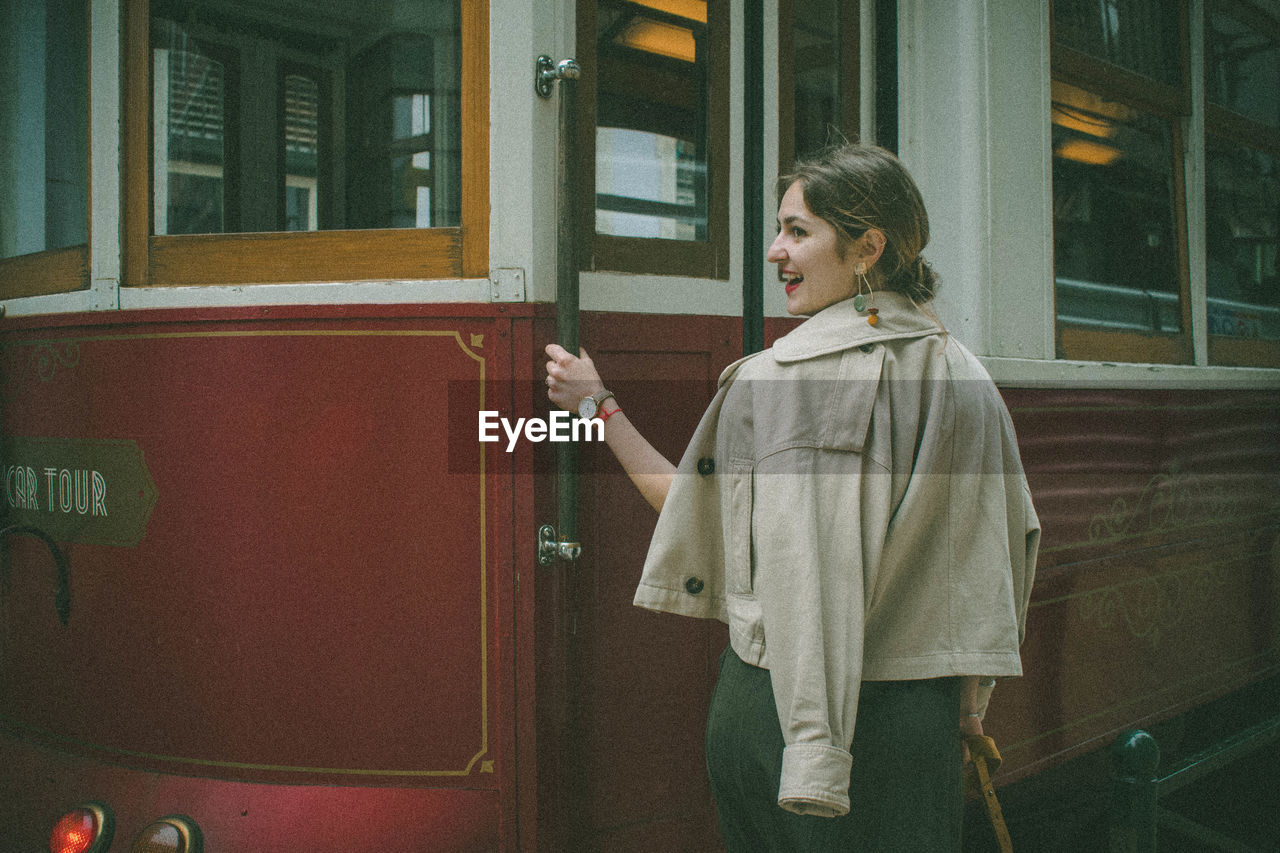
point(604, 416)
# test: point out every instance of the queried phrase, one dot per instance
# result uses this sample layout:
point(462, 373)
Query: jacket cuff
point(815, 779)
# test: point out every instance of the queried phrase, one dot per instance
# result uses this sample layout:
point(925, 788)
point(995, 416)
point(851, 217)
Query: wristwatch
point(588, 407)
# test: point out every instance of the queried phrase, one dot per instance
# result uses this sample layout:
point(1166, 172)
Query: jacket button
point(706, 466)
point(867, 347)
point(693, 586)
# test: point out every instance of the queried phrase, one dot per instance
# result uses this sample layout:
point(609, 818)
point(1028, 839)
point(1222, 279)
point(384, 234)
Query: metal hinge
point(549, 547)
point(506, 285)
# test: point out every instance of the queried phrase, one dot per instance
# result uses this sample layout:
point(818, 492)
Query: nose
point(776, 253)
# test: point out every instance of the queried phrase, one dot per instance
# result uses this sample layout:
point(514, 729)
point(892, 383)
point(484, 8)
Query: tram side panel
point(286, 614)
point(1158, 586)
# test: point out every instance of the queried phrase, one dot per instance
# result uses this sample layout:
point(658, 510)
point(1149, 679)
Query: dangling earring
point(860, 301)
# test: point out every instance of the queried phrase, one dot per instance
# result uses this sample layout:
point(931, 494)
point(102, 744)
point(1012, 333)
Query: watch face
point(587, 408)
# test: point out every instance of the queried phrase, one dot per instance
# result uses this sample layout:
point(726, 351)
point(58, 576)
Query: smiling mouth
point(792, 282)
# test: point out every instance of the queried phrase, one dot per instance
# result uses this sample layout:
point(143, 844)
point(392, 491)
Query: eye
point(797, 231)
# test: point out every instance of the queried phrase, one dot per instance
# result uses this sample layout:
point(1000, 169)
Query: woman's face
point(806, 251)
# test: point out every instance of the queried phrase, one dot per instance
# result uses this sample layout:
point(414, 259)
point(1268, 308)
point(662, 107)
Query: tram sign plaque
point(85, 490)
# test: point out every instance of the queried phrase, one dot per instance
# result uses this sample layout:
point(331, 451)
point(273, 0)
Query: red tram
point(265, 266)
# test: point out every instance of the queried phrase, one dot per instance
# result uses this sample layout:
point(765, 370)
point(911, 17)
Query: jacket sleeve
point(807, 537)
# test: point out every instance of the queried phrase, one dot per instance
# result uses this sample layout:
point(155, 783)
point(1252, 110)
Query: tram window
point(194, 102)
point(1119, 99)
point(651, 120)
point(238, 139)
point(818, 84)
point(1138, 35)
point(1242, 149)
point(1242, 57)
point(44, 143)
point(1241, 196)
point(301, 111)
point(271, 118)
point(404, 133)
point(1115, 254)
point(656, 106)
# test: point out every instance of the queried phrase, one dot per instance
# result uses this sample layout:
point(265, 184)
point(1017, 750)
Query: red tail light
point(85, 829)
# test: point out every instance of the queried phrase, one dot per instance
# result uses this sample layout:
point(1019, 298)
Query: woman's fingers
point(570, 377)
point(570, 368)
point(560, 355)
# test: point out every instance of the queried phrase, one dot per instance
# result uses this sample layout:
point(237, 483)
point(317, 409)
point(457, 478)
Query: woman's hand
point(969, 725)
point(973, 701)
point(570, 377)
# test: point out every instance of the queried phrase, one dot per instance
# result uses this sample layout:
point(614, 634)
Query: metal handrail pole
point(567, 297)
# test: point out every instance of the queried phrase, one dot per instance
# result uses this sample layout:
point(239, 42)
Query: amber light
point(694, 10)
point(85, 829)
point(660, 38)
point(170, 835)
point(1090, 153)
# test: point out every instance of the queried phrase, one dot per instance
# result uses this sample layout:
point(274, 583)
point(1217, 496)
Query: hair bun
point(916, 280)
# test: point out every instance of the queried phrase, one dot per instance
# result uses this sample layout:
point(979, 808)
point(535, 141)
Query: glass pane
point(1140, 35)
point(1242, 70)
point(271, 115)
point(406, 118)
point(651, 119)
point(1242, 206)
point(44, 126)
point(190, 132)
point(301, 152)
point(1115, 256)
point(816, 42)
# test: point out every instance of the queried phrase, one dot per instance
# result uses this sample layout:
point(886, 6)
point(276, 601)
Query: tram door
point(656, 157)
point(643, 679)
point(639, 683)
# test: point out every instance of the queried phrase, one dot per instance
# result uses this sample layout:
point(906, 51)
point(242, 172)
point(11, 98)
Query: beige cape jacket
point(853, 506)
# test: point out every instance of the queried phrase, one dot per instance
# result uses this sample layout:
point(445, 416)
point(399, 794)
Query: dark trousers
point(905, 787)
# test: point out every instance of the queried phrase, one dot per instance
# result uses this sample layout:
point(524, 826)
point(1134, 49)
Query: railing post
point(1136, 756)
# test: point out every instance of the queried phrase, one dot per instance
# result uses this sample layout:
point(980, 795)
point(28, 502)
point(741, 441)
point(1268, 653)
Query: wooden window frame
point(849, 15)
point(658, 256)
point(1171, 104)
point(311, 256)
point(45, 273)
point(1222, 123)
point(63, 270)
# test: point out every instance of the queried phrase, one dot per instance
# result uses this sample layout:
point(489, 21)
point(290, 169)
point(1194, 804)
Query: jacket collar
point(841, 326)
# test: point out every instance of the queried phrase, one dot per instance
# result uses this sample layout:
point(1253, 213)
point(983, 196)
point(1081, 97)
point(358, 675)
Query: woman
point(853, 506)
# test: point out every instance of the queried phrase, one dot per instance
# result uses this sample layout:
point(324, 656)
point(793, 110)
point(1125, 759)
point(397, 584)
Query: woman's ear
point(869, 247)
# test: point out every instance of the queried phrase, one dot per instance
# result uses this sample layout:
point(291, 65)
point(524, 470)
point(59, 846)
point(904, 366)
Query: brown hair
point(857, 187)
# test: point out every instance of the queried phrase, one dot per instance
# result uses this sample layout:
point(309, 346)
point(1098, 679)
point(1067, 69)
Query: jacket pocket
point(737, 499)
